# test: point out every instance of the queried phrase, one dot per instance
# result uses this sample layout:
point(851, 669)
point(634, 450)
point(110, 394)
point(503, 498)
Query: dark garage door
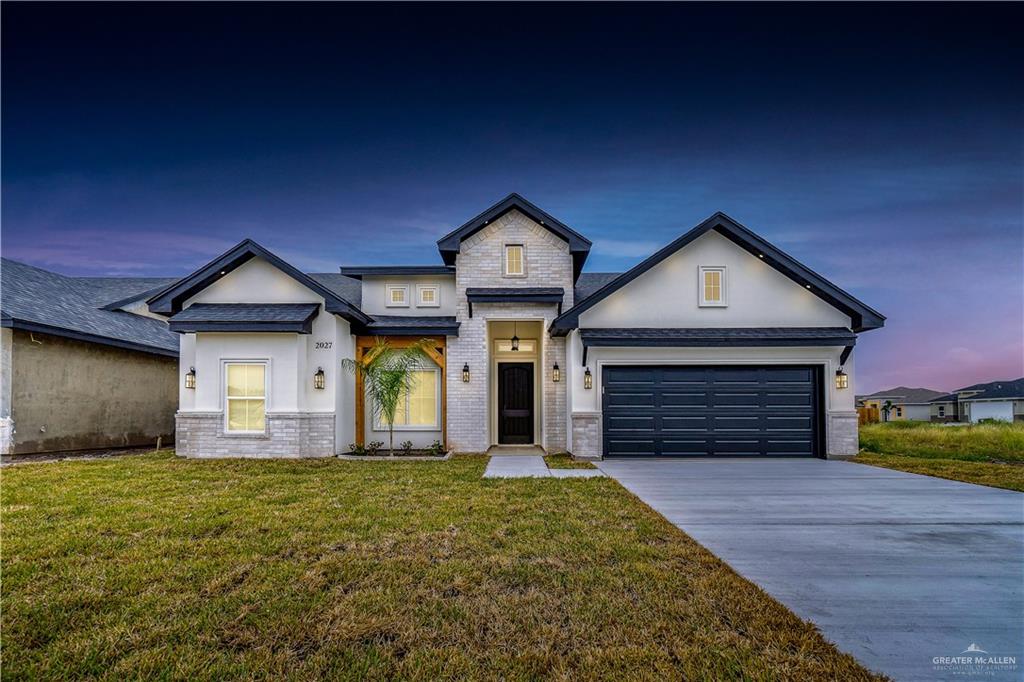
point(711, 411)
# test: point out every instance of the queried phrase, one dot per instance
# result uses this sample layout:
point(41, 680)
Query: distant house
point(84, 363)
point(1001, 400)
point(905, 403)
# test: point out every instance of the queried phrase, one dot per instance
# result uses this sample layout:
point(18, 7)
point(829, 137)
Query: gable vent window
point(514, 263)
point(712, 286)
point(397, 296)
point(428, 297)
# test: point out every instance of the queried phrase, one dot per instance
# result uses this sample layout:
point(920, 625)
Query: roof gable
point(862, 317)
point(579, 246)
point(171, 299)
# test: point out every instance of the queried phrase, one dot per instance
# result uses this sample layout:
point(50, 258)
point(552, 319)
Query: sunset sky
point(880, 145)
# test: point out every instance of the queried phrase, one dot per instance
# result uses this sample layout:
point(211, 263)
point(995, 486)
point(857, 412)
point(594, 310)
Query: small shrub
point(436, 448)
point(357, 448)
point(406, 447)
point(373, 447)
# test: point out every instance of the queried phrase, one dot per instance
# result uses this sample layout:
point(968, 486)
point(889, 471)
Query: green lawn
point(987, 454)
point(152, 566)
point(565, 461)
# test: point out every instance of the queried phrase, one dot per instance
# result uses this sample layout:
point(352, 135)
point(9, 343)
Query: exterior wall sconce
point(515, 338)
point(556, 374)
point(465, 373)
point(319, 379)
point(842, 379)
point(190, 378)
point(588, 379)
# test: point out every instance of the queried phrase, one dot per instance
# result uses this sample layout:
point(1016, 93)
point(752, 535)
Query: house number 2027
point(321, 345)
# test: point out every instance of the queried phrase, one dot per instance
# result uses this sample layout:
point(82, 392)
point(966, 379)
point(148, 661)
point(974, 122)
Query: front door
point(515, 403)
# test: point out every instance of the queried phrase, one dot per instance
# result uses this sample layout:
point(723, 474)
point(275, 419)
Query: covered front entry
point(515, 403)
point(701, 411)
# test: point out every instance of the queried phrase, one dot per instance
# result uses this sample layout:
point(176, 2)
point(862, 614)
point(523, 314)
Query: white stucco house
point(996, 400)
point(718, 344)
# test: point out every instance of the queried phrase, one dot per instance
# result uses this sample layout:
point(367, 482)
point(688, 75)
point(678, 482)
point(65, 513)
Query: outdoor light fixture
point(588, 379)
point(556, 374)
point(842, 379)
point(190, 378)
point(465, 373)
point(515, 339)
point(319, 378)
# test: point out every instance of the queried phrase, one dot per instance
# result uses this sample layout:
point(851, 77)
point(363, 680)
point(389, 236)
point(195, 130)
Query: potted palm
point(388, 374)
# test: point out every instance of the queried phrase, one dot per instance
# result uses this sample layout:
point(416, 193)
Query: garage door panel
point(711, 411)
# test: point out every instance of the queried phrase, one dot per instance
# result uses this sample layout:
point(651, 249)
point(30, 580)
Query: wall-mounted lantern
point(842, 379)
point(319, 378)
point(556, 374)
point(190, 378)
point(588, 379)
point(515, 338)
point(465, 373)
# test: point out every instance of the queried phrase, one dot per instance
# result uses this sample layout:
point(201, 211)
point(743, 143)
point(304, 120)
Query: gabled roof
point(862, 317)
point(37, 300)
point(579, 246)
point(903, 394)
point(170, 299)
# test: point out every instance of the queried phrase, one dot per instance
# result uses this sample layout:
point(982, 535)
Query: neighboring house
point(718, 344)
point(904, 403)
point(1000, 400)
point(84, 364)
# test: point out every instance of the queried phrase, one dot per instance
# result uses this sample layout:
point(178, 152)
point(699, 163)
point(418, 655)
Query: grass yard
point(987, 454)
point(565, 461)
point(153, 566)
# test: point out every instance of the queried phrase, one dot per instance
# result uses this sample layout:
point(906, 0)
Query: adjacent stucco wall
point(72, 395)
point(480, 264)
point(374, 301)
point(6, 423)
point(758, 295)
point(291, 360)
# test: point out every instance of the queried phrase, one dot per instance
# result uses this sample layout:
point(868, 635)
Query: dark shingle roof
point(411, 325)
point(39, 300)
point(724, 335)
point(998, 389)
point(104, 291)
point(589, 282)
point(910, 396)
point(242, 317)
point(348, 288)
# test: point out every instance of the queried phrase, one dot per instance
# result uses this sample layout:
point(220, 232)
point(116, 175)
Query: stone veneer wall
point(480, 264)
point(307, 434)
point(842, 439)
point(587, 442)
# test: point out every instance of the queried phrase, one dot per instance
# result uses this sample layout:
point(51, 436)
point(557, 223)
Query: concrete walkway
point(531, 466)
point(895, 568)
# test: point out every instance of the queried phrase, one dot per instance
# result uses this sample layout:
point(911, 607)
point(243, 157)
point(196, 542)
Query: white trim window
point(515, 260)
point(420, 408)
point(942, 410)
point(245, 397)
point(712, 285)
point(397, 296)
point(428, 296)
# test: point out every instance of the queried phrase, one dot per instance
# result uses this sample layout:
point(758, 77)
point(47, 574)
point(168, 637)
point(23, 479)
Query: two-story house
point(718, 344)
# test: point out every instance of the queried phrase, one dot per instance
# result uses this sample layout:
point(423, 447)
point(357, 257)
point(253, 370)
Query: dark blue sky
point(879, 144)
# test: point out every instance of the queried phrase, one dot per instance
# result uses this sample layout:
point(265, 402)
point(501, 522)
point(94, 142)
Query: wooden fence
point(867, 415)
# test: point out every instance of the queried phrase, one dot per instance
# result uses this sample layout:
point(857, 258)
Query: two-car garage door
point(702, 411)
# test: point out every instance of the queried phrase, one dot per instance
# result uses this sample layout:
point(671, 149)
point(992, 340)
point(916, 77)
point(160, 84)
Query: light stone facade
point(842, 438)
point(586, 435)
point(306, 434)
point(480, 263)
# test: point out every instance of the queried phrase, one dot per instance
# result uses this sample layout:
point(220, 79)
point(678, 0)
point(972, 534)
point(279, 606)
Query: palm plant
point(388, 374)
point(887, 408)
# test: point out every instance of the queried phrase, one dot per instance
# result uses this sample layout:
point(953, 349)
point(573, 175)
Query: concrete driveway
point(896, 569)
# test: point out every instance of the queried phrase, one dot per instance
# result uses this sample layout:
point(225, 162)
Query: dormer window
point(712, 286)
point(397, 296)
point(515, 264)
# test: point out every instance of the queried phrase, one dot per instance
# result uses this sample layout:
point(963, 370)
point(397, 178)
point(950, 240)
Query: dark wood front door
point(515, 403)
